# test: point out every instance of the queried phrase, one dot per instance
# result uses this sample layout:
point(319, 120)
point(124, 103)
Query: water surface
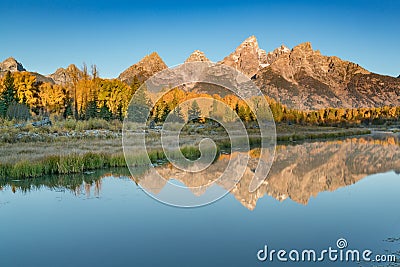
point(316, 193)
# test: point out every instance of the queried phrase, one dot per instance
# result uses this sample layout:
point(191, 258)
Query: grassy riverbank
point(63, 155)
point(79, 163)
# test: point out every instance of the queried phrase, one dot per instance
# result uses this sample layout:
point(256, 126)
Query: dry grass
point(21, 151)
point(12, 153)
point(71, 155)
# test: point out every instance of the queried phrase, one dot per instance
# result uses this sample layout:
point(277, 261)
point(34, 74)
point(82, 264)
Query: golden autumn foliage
point(25, 84)
point(86, 96)
point(114, 94)
point(52, 98)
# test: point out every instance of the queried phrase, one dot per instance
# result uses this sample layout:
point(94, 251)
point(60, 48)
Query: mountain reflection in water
point(298, 172)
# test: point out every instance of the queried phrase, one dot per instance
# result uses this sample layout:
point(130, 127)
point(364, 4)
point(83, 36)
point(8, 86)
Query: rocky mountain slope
point(305, 79)
point(11, 64)
point(64, 76)
point(248, 58)
point(144, 69)
point(300, 78)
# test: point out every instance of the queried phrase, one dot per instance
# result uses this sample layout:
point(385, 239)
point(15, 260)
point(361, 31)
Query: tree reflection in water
point(299, 172)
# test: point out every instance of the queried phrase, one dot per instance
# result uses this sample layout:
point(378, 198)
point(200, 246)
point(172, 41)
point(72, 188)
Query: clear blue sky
point(47, 34)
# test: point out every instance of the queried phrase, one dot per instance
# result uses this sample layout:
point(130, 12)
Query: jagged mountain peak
point(196, 56)
point(303, 60)
point(305, 79)
point(11, 60)
point(300, 78)
point(11, 64)
point(72, 67)
point(275, 54)
point(145, 68)
point(251, 40)
point(152, 56)
point(248, 58)
point(64, 76)
point(283, 48)
point(306, 46)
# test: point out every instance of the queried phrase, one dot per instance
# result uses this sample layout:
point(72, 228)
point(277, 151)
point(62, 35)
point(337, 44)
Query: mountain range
point(300, 77)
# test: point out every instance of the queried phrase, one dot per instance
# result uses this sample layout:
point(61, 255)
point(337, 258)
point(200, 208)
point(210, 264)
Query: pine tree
point(159, 113)
point(105, 112)
point(194, 113)
point(135, 85)
point(243, 114)
point(92, 108)
point(9, 94)
point(165, 111)
point(139, 108)
point(237, 108)
point(177, 115)
point(74, 73)
point(217, 111)
point(68, 111)
point(229, 114)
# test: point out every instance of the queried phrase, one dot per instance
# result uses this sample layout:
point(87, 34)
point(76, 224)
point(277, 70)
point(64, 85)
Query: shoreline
point(79, 160)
